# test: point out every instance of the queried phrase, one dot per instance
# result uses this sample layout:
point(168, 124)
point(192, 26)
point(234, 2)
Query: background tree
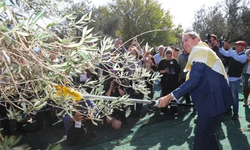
point(228, 18)
point(105, 23)
point(246, 24)
point(178, 34)
point(129, 18)
point(210, 20)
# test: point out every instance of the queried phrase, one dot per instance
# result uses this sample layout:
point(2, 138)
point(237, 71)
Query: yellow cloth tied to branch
point(68, 92)
point(202, 53)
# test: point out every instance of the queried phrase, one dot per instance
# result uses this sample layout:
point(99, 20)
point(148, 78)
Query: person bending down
point(117, 118)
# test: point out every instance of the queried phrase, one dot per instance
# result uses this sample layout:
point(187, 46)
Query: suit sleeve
point(197, 71)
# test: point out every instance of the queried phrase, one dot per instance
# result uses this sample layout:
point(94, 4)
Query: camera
point(135, 39)
point(116, 84)
point(221, 41)
point(208, 38)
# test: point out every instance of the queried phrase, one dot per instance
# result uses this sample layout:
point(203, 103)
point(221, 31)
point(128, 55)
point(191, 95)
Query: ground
point(152, 131)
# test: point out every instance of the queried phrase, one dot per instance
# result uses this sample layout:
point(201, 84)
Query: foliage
point(38, 54)
point(178, 34)
point(56, 147)
point(10, 143)
point(209, 21)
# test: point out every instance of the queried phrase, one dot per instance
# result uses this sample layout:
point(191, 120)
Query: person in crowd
point(136, 44)
point(118, 47)
point(245, 77)
point(214, 45)
point(237, 62)
point(209, 89)
point(160, 54)
point(79, 124)
point(158, 57)
point(170, 69)
point(214, 41)
point(107, 68)
point(132, 92)
point(44, 116)
point(117, 118)
point(183, 59)
point(176, 53)
point(150, 65)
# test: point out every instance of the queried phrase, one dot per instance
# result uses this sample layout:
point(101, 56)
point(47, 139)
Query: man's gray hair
point(192, 34)
point(161, 46)
point(118, 39)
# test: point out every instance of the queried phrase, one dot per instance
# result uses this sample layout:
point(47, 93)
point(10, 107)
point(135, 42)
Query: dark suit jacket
point(209, 90)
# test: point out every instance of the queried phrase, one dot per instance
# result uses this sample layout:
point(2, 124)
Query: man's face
point(239, 48)
point(161, 50)
point(189, 43)
point(118, 43)
point(213, 41)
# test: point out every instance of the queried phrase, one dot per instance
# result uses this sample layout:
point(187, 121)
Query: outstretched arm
point(197, 71)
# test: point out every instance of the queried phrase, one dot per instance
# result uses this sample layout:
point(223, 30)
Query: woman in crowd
point(170, 69)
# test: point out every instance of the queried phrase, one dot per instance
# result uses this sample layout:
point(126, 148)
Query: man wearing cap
point(237, 62)
point(206, 81)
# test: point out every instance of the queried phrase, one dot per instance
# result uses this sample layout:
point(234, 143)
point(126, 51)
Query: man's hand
point(164, 101)
point(226, 46)
point(78, 117)
point(85, 119)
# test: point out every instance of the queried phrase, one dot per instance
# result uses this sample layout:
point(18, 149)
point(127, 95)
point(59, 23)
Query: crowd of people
point(197, 71)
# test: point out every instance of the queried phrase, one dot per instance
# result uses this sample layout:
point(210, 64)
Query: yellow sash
point(202, 53)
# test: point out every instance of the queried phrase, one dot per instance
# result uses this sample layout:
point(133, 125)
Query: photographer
point(214, 41)
point(73, 124)
point(117, 118)
point(114, 89)
point(135, 110)
point(150, 65)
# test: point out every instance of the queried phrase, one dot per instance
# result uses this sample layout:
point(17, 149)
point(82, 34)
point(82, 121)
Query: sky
point(182, 10)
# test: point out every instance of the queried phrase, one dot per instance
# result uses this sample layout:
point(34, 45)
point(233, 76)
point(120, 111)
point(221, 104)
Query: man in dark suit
point(208, 86)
